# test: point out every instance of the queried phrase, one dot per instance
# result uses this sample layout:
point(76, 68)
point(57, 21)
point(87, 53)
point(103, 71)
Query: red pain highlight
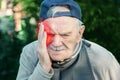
point(48, 31)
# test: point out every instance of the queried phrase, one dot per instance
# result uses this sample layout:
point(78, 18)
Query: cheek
point(72, 39)
point(49, 37)
point(47, 29)
point(70, 43)
point(76, 38)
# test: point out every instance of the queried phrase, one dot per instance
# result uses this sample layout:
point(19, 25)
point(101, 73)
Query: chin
point(56, 58)
point(61, 57)
point(58, 55)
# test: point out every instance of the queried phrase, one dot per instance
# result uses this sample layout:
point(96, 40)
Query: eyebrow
point(59, 33)
point(65, 33)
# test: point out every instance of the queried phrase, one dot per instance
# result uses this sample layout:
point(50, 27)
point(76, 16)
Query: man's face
point(66, 36)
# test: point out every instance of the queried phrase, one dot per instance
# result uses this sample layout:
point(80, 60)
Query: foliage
point(101, 18)
point(102, 24)
point(0, 3)
point(9, 53)
point(30, 7)
point(11, 45)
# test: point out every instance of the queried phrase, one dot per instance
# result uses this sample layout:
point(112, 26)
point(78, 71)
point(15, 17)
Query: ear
point(81, 31)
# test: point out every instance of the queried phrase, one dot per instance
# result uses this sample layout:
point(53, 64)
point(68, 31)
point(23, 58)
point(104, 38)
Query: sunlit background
point(18, 20)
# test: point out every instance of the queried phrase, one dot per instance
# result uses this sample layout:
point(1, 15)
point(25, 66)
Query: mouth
point(56, 51)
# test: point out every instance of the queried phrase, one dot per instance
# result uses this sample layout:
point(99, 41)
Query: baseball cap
point(75, 10)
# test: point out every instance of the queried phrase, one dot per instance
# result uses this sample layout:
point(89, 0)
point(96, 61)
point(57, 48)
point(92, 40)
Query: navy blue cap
point(75, 10)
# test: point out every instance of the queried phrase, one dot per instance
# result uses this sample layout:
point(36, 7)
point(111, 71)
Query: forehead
point(62, 24)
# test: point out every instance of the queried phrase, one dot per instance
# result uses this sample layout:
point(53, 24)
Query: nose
point(57, 41)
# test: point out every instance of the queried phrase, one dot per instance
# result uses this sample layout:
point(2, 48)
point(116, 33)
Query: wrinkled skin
point(66, 35)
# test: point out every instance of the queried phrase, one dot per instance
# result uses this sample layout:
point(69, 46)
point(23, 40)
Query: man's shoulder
point(30, 49)
point(31, 45)
point(102, 62)
point(97, 49)
point(98, 55)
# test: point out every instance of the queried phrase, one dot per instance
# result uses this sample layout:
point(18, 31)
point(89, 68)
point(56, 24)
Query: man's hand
point(43, 55)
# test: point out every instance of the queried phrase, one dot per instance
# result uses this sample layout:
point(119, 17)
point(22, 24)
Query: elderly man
point(60, 53)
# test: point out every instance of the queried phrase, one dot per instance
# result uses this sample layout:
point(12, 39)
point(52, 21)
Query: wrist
point(46, 67)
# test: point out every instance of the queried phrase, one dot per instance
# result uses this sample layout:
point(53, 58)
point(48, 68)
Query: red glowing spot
point(48, 31)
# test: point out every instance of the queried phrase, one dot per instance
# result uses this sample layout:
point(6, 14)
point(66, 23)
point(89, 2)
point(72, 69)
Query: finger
point(41, 32)
point(44, 39)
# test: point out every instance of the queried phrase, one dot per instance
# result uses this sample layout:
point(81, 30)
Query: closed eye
point(66, 35)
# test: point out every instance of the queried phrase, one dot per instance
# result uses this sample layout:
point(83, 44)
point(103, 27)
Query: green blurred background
point(101, 18)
